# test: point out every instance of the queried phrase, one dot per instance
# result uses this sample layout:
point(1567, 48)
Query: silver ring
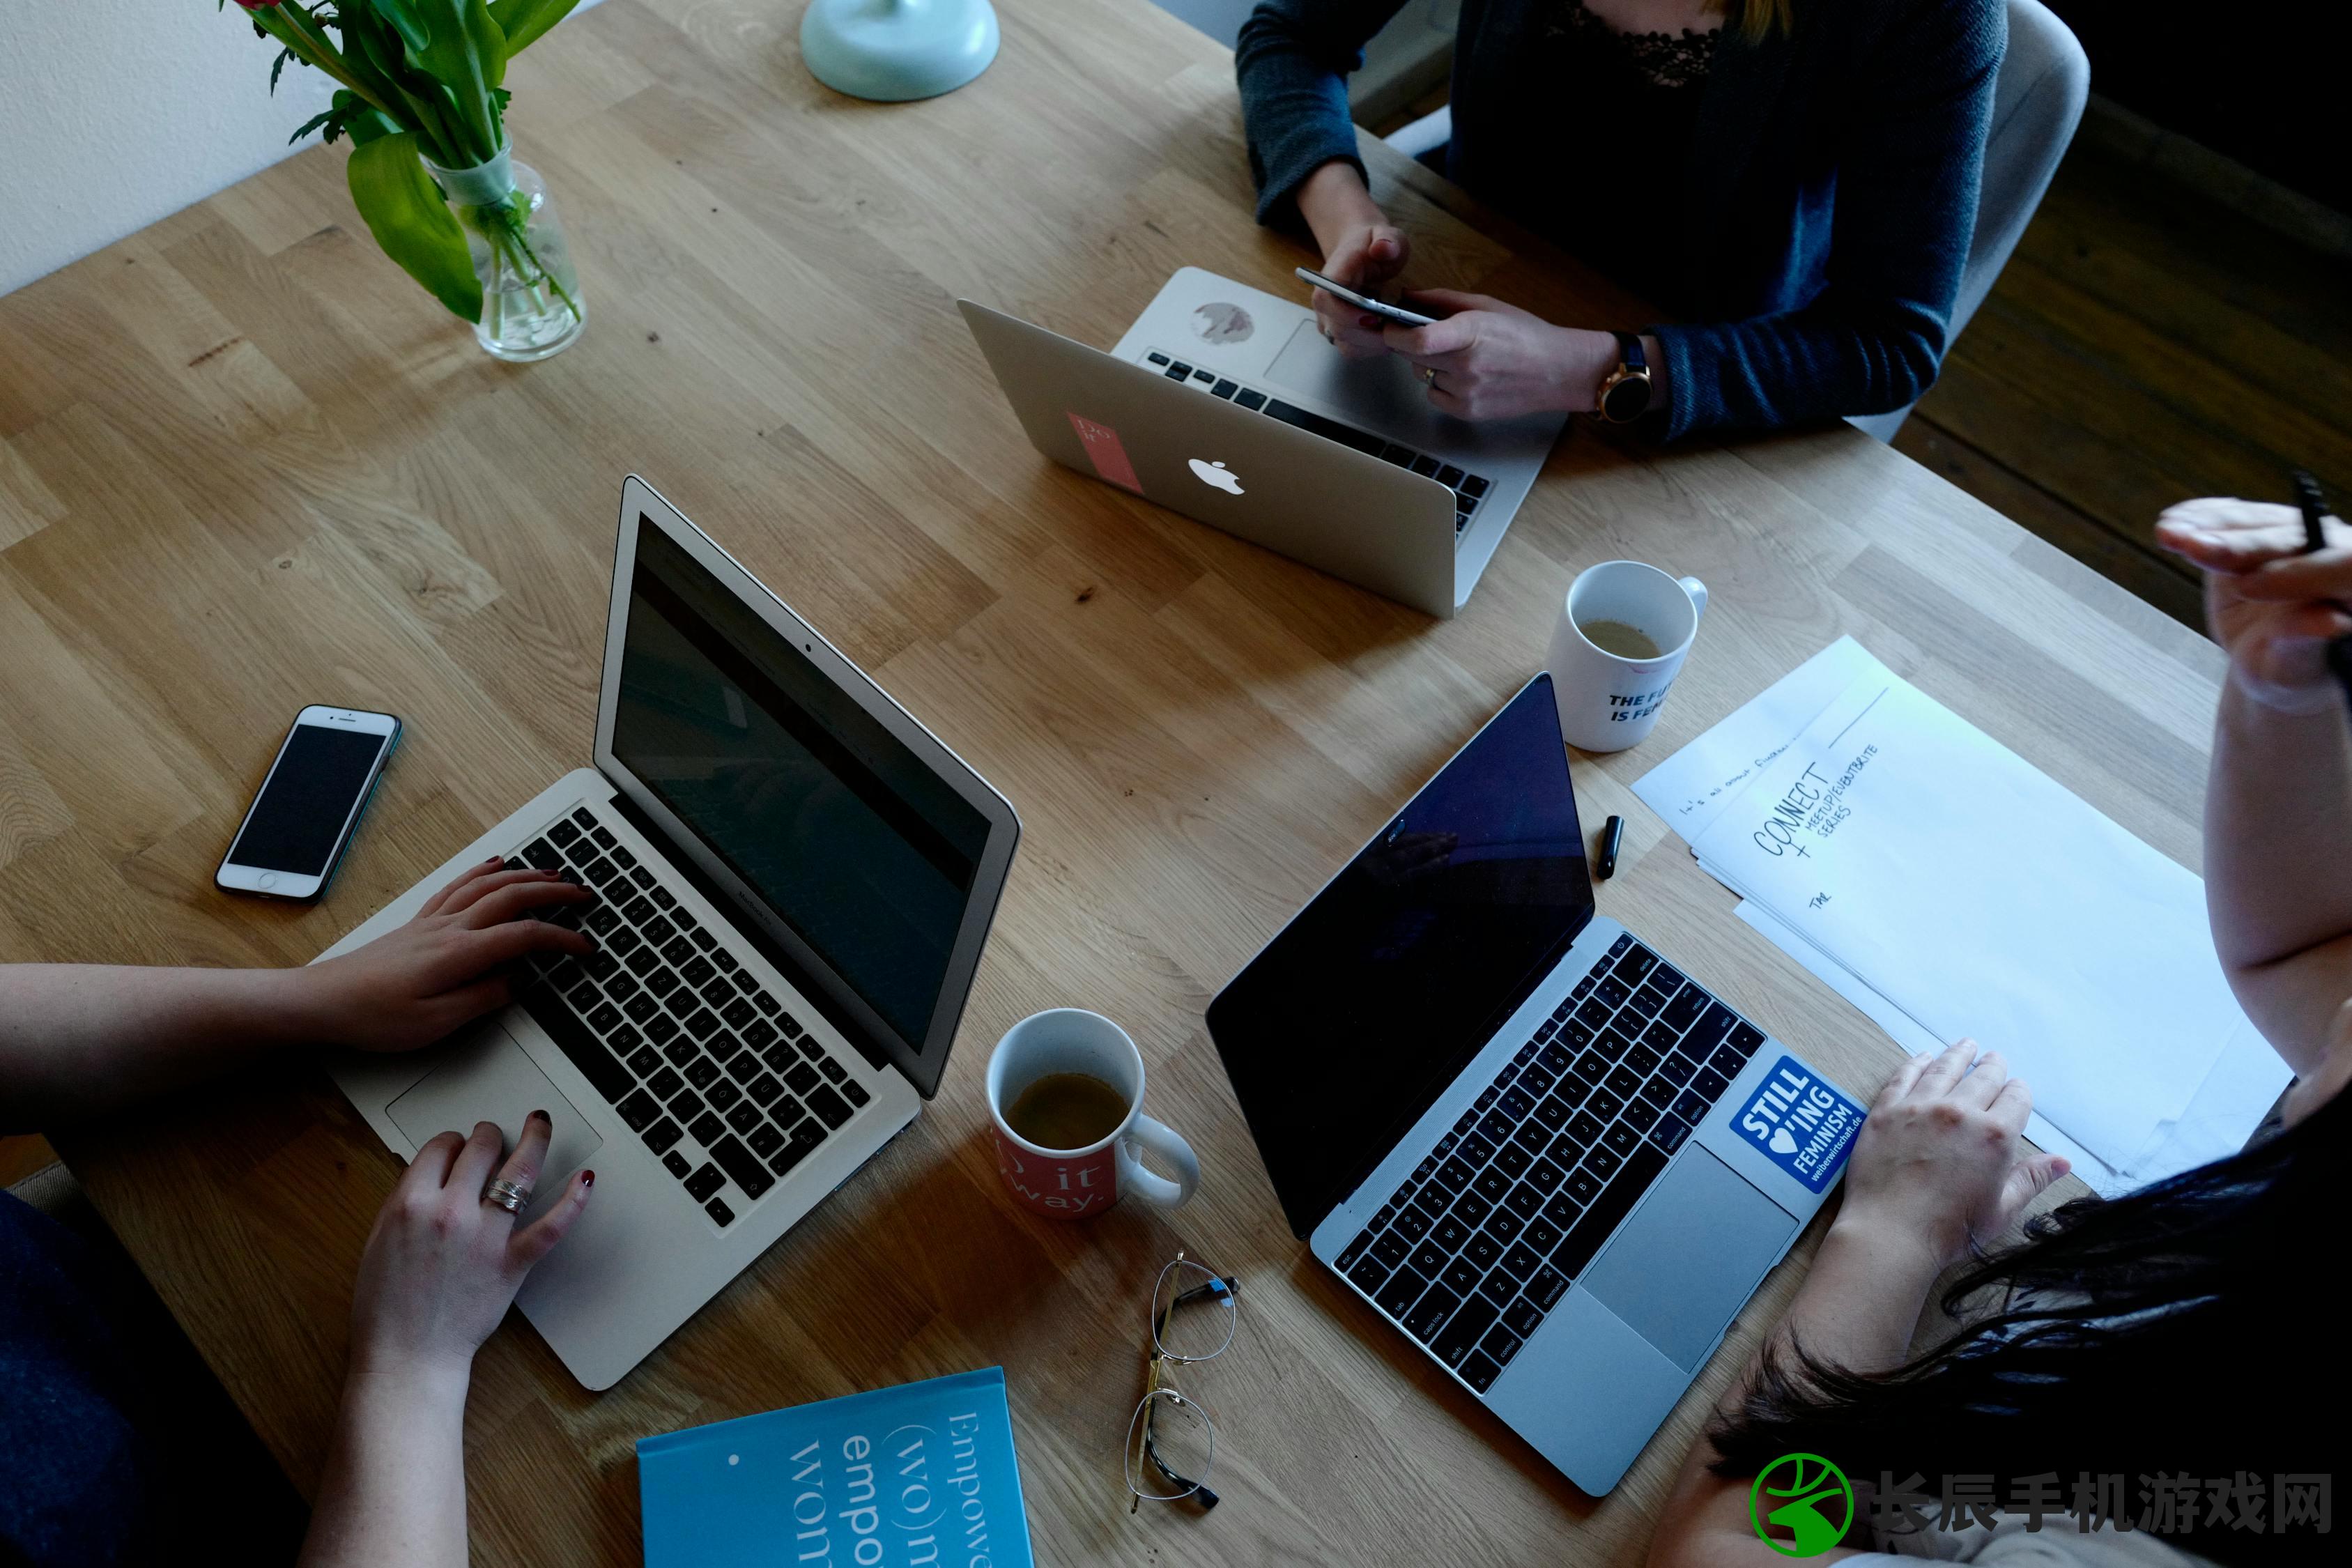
point(510, 1196)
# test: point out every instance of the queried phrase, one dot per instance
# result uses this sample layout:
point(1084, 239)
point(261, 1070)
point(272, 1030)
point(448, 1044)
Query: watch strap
point(1629, 350)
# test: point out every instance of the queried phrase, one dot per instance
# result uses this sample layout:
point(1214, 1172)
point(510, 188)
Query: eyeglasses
point(1172, 1443)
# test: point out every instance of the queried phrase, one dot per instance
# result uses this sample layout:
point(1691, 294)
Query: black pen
point(2315, 508)
point(1612, 834)
point(2307, 496)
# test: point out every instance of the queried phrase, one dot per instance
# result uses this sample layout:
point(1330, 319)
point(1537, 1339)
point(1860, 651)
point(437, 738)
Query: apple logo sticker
point(1216, 476)
point(1222, 323)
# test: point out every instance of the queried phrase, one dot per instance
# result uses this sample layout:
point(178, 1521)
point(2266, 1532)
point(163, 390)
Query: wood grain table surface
point(245, 465)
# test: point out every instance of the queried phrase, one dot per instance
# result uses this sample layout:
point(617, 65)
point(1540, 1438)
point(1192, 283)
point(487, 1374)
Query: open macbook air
point(1545, 1154)
point(795, 881)
point(1226, 404)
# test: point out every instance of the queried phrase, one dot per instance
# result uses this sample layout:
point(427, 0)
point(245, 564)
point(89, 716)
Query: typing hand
point(1367, 255)
point(442, 1263)
point(2274, 609)
point(1937, 1164)
point(412, 986)
point(1494, 361)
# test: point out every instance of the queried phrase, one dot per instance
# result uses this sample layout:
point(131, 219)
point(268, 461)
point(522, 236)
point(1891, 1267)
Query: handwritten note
point(1982, 899)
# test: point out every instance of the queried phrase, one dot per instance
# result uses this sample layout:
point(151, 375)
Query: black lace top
point(1628, 104)
point(1663, 59)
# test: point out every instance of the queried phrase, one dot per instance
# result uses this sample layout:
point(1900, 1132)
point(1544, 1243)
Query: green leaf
point(331, 119)
point(405, 211)
point(404, 19)
point(362, 122)
point(276, 66)
point(523, 21)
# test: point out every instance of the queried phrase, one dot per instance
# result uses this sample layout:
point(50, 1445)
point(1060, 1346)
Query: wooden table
point(246, 465)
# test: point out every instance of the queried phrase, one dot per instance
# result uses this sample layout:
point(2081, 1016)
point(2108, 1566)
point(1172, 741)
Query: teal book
point(919, 1475)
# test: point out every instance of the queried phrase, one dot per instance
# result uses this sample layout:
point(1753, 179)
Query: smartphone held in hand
point(302, 820)
point(1380, 308)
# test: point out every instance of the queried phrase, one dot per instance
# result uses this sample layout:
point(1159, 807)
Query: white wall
point(114, 113)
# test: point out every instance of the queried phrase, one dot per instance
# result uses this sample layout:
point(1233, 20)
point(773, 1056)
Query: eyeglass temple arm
point(1207, 1498)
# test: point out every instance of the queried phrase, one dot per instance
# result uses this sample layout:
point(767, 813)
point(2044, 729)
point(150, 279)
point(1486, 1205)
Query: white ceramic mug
point(1608, 701)
point(1077, 1183)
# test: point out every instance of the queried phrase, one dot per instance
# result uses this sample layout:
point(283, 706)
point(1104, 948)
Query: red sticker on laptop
point(1103, 449)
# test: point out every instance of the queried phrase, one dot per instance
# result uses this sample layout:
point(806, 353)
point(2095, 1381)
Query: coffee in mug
point(1066, 1093)
point(1617, 638)
point(1067, 1110)
point(1616, 649)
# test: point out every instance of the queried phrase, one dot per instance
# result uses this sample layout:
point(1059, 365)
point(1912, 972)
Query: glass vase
point(532, 304)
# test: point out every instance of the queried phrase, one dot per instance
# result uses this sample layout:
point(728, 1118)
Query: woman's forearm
point(395, 1491)
point(1857, 1309)
point(1334, 201)
point(2278, 838)
point(75, 1039)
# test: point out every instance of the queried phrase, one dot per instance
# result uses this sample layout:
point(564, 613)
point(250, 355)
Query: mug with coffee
point(1620, 643)
point(1065, 1091)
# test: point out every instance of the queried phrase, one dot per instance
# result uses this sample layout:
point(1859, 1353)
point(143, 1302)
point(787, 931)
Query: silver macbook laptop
point(1541, 1150)
point(795, 881)
point(1226, 404)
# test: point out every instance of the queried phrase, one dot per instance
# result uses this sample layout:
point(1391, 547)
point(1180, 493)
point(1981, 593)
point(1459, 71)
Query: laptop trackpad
point(1380, 390)
point(486, 1076)
point(1693, 1254)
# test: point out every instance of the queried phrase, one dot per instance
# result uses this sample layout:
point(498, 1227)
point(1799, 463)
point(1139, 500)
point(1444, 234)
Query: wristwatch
point(1625, 395)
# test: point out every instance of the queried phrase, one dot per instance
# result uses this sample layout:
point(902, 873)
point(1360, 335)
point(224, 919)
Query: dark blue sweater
point(1824, 212)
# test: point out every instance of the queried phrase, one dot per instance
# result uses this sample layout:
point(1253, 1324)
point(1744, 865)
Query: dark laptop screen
point(849, 836)
point(1343, 1031)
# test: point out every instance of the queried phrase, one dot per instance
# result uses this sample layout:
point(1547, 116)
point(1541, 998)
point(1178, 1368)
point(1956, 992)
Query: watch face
point(1628, 400)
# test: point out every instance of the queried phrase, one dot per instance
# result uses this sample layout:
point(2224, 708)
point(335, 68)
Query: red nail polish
point(540, 1116)
point(587, 1180)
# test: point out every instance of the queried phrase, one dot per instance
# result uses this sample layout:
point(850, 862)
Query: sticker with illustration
point(1803, 1123)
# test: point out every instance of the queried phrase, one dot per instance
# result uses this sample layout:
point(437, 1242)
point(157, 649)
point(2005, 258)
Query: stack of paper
point(1946, 888)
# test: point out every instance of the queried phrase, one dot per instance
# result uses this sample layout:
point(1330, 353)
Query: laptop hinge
point(791, 968)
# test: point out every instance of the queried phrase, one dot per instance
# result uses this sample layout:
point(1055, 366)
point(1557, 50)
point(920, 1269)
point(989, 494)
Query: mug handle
point(1168, 1144)
point(1698, 592)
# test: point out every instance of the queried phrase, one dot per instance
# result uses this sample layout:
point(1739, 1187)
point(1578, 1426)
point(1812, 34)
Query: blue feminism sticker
point(1802, 1122)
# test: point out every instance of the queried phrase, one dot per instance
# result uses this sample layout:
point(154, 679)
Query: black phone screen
point(306, 799)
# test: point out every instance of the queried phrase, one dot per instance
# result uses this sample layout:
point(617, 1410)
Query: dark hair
point(2184, 1329)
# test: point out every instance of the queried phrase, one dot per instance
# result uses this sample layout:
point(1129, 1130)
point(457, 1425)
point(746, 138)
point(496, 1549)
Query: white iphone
point(296, 830)
point(1380, 308)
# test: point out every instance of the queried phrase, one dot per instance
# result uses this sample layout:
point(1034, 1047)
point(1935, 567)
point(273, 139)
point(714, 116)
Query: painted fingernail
point(540, 1116)
point(587, 1180)
point(1369, 321)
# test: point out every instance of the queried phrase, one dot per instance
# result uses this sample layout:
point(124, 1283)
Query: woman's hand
point(1937, 1164)
point(1494, 361)
point(1361, 249)
point(443, 1265)
point(412, 986)
point(2274, 609)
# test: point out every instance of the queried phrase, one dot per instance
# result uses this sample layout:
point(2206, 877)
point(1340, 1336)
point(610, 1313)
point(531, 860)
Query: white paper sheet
point(1980, 898)
point(1915, 1038)
point(1691, 787)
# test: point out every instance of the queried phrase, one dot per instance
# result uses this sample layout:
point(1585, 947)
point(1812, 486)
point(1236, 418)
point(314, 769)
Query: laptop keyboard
point(1468, 489)
point(1480, 1242)
point(701, 1061)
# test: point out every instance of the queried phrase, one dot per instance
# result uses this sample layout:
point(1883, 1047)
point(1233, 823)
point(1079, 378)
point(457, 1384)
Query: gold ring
point(1429, 375)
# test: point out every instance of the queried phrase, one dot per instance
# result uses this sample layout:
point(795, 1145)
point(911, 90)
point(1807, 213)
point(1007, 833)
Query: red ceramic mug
point(1077, 1183)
